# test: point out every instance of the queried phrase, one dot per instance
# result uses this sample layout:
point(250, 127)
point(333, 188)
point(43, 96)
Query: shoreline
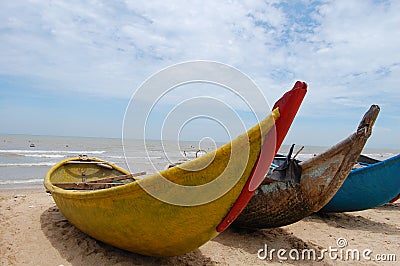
point(32, 137)
point(34, 232)
point(36, 181)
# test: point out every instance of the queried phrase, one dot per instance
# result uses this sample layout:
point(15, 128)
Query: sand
point(34, 232)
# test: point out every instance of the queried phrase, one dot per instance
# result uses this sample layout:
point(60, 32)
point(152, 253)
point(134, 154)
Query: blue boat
point(368, 187)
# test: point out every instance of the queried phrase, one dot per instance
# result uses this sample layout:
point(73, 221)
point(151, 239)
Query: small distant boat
point(197, 154)
point(299, 189)
point(175, 211)
point(375, 184)
point(32, 145)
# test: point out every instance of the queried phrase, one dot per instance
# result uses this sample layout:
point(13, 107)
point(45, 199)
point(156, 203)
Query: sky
point(71, 67)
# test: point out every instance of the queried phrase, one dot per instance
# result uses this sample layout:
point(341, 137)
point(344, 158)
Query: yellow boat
point(177, 210)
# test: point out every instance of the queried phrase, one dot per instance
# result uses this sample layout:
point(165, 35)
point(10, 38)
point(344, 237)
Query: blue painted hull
point(367, 187)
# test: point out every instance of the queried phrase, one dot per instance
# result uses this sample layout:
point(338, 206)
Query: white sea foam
point(133, 157)
point(27, 164)
point(50, 152)
point(43, 155)
point(380, 156)
point(305, 156)
point(26, 181)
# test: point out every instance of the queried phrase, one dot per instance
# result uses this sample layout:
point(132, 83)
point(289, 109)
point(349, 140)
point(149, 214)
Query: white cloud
point(348, 51)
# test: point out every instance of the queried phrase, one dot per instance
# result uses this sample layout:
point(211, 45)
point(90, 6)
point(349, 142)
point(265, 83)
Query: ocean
point(25, 159)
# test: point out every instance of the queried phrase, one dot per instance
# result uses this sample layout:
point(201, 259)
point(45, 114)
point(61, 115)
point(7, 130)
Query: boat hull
point(130, 217)
point(367, 187)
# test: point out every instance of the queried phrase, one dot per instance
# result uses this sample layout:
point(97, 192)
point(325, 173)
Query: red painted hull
point(395, 199)
point(288, 106)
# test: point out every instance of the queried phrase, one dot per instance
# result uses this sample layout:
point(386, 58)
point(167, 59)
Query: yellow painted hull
point(132, 218)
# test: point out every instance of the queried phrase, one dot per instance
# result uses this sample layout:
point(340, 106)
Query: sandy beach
point(34, 232)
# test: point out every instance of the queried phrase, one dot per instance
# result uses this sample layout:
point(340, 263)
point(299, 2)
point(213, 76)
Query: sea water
point(25, 159)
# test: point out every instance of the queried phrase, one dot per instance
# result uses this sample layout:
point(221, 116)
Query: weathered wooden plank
point(86, 186)
point(117, 178)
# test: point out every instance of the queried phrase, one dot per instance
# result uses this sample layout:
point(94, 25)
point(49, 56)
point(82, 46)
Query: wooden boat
point(368, 187)
point(179, 209)
point(278, 202)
